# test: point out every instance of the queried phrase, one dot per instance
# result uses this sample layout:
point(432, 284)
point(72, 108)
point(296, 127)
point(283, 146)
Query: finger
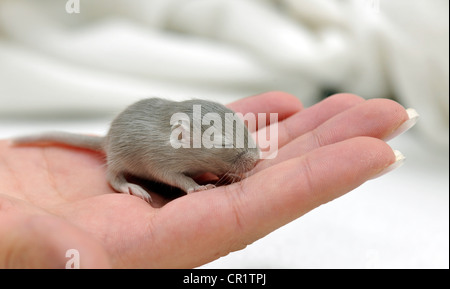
point(310, 118)
point(225, 219)
point(282, 103)
point(374, 118)
point(290, 189)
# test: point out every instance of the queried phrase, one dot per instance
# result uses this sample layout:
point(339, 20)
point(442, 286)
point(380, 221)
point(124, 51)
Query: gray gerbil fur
point(138, 143)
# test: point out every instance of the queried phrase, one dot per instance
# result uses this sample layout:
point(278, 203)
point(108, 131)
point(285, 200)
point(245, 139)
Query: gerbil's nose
point(246, 161)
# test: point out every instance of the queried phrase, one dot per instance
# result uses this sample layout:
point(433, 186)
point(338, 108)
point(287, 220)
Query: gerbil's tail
point(90, 142)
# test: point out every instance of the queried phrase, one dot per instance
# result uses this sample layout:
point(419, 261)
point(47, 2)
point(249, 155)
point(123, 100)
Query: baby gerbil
point(157, 139)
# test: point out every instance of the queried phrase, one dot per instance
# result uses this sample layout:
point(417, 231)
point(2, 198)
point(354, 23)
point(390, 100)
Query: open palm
point(55, 198)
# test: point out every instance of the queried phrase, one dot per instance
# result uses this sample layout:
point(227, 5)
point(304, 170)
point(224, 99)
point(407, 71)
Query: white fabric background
point(75, 71)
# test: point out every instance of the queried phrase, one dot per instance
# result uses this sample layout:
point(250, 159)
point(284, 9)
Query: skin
point(56, 198)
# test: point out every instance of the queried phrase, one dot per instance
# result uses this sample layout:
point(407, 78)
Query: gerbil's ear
point(181, 133)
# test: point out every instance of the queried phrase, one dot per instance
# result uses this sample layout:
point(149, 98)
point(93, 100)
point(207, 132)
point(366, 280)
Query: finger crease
point(50, 177)
point(234, 198)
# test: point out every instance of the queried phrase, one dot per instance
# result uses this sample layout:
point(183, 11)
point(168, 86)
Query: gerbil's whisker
point(240, 178)
point(222, 178)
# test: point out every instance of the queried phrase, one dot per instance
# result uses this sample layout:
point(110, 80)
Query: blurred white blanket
point(115, 51)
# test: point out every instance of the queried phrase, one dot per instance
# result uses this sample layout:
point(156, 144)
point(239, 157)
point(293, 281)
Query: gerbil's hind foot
point(201, 188)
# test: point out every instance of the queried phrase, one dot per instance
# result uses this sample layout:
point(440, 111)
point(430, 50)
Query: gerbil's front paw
point(137, 191)
point(201, 188)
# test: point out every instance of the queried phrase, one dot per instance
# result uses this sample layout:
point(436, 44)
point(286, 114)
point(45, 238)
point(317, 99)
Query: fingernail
point(413, 116)
point(399, 160)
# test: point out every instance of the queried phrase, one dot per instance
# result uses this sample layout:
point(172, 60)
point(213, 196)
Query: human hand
point(55, 198)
